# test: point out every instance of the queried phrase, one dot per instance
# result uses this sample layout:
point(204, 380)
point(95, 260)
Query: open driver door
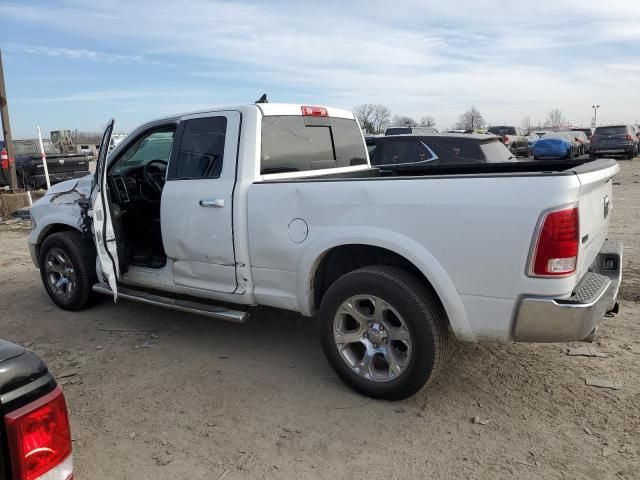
point(103, 231)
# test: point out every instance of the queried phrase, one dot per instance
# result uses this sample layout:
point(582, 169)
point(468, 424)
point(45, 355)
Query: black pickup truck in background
point(62, 166)
point(35, 437)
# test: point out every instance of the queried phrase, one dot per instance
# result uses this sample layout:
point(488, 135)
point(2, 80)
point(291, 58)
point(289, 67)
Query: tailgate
point(595, 204)
point(61, 163)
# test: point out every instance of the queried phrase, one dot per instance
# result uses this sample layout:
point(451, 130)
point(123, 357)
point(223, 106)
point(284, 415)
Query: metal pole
point(6, 130)
point(44, 159)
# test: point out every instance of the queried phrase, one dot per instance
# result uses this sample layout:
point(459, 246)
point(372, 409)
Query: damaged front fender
point(65, 204)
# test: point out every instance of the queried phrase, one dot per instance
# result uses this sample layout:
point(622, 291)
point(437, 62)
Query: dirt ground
point(165, 395)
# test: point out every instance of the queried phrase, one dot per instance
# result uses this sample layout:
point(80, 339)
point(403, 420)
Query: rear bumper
point(613, 149)
point(54, 178)
point(575, 318)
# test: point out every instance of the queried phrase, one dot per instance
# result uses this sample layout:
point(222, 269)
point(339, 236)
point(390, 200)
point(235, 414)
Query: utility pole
point(6, 130)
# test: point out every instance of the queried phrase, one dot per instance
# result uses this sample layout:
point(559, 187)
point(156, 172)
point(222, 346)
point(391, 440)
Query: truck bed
point(524, 168)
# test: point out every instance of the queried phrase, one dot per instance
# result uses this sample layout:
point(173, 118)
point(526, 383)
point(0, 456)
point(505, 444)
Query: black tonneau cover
point(23, 376)
point(528, 168)
point(534, 166)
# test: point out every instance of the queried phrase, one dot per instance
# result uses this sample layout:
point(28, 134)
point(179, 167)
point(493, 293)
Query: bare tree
point(428, 121)
point(555, 118)
point(373, 118)
point(381, 115)
point(364, 114)
point(470, 120)
point(526, 124)
point(403, 121)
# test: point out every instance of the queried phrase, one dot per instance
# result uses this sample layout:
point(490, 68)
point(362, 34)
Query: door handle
point(212, 203)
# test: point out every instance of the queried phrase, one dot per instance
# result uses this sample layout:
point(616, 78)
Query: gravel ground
point(164, 395)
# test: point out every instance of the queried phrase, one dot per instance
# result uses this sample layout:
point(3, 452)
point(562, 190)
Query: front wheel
point(67, 268)
point(383, 332)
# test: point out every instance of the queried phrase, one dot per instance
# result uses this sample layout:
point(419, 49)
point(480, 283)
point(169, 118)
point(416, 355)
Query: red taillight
point(310, 111)
point(39, 439)
point(629, 138)
point(556, 251)
point(506, 140)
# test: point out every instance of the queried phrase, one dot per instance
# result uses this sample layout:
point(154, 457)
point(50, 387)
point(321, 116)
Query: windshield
point(560, 135)
point(496, 152)
point(153, 147)
point(397, 131)
point(30, 147)
point(503, 130)
point(622, 130)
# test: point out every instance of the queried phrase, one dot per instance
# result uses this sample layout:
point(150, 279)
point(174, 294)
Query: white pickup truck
point(274, 204)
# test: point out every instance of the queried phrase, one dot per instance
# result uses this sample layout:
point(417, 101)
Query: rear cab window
point(502, 130)
point(619, 130)
point(296, 143)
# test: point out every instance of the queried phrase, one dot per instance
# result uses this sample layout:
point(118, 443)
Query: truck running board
point(189, 306)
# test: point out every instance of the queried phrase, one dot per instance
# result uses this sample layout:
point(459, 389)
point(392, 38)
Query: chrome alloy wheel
point(372, 338)
point(60, 273)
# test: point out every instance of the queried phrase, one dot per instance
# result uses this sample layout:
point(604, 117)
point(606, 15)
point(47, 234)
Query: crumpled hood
point(81, 185)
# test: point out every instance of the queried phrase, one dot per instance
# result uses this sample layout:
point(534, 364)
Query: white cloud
point(81, 54)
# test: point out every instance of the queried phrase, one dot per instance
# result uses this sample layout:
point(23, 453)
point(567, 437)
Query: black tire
point(82, 255)
point(421, 311)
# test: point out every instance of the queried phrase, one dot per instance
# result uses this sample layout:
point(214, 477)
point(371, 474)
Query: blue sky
point(77, 63)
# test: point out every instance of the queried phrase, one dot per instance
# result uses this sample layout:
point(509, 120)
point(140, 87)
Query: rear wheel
point(383, 332)
point(67, 268)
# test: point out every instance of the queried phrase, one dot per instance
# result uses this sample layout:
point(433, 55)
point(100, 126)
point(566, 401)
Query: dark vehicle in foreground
point(61, 166)
point(418, 130)
point(513, 138)
point(614, 140)
point(555, 146)
point(438, 149)
point(34, 431)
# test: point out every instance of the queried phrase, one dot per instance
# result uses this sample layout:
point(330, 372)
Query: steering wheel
point(155, 179)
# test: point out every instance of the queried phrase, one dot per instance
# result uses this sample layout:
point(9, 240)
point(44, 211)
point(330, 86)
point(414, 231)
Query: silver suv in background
point(514, 138)
point(614, 140)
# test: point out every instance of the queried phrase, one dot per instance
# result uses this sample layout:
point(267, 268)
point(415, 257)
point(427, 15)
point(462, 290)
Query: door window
point(201, 150)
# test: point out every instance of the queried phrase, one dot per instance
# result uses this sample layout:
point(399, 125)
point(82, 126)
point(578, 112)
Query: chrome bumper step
point(189, 306)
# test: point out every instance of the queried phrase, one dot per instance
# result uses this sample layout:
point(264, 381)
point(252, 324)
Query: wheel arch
point(61, 223)
point(357, 250)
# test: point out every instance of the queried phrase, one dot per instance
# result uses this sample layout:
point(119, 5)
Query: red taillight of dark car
point(556, 247)
point(39, 439)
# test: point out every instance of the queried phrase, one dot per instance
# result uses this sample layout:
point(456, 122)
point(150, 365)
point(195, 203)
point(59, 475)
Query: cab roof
point(267, 109)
